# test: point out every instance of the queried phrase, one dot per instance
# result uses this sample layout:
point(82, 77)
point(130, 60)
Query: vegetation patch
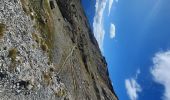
point(2, 29)
point(44, 23)
point(40, 11)
point(12, 54)
point(60, 93)
point(47, 78)
point(25, 7)
point(44, 47)
point(36, 37)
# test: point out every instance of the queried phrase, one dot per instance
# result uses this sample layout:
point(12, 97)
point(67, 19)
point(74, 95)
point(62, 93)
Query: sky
point(134, 37)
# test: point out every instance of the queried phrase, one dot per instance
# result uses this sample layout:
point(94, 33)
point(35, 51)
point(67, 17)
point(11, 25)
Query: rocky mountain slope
point(48, 52)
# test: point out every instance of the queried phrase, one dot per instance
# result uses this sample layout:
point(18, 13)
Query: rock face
point(48, 52)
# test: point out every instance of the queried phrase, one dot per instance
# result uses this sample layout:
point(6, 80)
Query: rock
point(29, 87)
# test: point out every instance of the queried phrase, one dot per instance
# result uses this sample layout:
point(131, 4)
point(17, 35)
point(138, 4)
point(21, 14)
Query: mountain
point(48, 52)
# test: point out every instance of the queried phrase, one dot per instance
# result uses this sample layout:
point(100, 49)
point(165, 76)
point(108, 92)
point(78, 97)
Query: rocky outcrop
point(48, 52)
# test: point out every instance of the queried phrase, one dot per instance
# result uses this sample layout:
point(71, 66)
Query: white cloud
point(161, 71)
point(137, 73)
point(112, 30)
point(98, 28)
point(110, 5)
point(132, 87)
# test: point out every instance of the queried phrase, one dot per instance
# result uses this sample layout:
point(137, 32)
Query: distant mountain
point(48, 52)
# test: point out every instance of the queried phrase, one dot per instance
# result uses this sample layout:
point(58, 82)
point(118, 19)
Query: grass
point(12, 54)
point(47, 78)
point(40, 11)
point(2, 29)
point(44, 23)
point(61, 93)
point(25, 7)
point(40, 41)
point(44, 47)
point(36, 38)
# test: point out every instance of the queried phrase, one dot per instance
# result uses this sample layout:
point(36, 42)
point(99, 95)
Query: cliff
point(48, 52)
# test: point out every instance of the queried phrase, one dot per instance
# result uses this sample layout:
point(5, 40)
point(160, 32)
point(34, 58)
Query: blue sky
point(135, 39)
